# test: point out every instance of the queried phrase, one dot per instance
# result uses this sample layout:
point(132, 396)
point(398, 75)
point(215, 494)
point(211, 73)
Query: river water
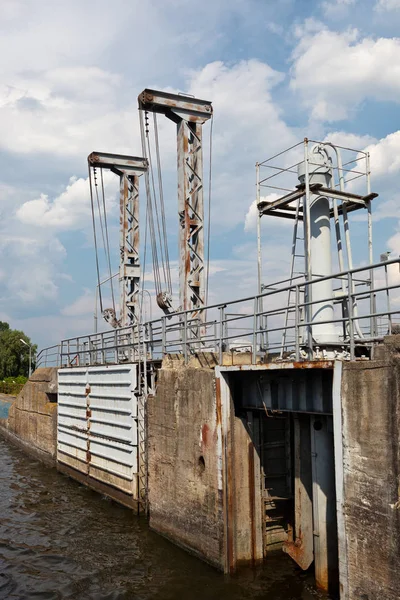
point(60, 540)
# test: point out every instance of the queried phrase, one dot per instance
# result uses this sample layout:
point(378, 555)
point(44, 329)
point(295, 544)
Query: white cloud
point(387, 5)
point(336, 8)
point(83, 305)
point(250, 221)
point(66, 111)
point(71, 209)
point(334, 72)
point(248, 126)
point(32, 268)
point(385, 155)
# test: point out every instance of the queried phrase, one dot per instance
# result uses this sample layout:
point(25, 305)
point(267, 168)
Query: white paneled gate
point(97, 439)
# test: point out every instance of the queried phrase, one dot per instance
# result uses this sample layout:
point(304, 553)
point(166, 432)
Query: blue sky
point(276, 71)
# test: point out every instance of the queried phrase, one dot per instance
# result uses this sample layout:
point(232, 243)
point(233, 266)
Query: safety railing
point(365, 306)
point(49, 357)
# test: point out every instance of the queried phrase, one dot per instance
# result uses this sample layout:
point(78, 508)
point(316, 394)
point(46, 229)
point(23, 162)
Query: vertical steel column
point(324, 502)
point(372, 298)
point(307, 250)
point(129, 169)
point(338, 433)
point(191, 217)
point(189, 114)
point(129, 249)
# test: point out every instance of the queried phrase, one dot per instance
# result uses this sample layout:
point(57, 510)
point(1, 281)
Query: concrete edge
point(33, 451)
point(102, 488)
point(183, 546)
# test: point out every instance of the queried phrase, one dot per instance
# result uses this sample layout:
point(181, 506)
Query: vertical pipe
point(296, 322)
point(372, 298)
point(350, 311)
point(255, 318)
point(259, 257)
point(307, 250)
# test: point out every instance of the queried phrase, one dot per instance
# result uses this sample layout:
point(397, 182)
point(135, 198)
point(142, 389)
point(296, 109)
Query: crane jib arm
point(175, 106)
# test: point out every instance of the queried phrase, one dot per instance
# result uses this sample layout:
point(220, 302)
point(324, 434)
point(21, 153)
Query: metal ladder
point(291, 302)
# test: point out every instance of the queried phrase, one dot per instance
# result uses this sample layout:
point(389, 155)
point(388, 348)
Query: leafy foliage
point(14, 355)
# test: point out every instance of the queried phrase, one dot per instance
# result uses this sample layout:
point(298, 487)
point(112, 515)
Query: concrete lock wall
point(184, 462)
point(203, 470)
point(32, 418)
point(370, 551)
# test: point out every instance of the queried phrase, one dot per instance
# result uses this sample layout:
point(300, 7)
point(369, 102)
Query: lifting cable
point(102, 214)
point(95, 238)
point(156, 220)
point(160, 187)
point(107, 240)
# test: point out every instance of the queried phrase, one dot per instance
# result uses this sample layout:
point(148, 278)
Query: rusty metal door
point(276, 477)
point(301, 547)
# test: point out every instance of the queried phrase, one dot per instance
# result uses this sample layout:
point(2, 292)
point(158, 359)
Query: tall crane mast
point(189, 114)
point(129, 169)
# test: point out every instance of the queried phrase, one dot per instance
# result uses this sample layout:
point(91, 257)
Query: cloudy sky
point(275, 71)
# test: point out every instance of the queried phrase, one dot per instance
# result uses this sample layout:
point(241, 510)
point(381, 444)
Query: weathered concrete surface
point(184, 461)
point(32, 418)
point(371, 456)
point(246, 486)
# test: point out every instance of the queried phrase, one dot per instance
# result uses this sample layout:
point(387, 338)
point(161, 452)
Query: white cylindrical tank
point(320, 248)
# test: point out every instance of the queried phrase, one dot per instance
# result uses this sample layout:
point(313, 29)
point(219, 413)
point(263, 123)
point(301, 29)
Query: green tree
point(14, 355)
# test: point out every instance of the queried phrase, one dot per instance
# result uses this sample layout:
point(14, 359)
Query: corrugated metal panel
point(72, 418)
point(97, 424)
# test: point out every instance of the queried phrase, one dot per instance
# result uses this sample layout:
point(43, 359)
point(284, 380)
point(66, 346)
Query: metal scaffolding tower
point(189, 114)
point(129, 169)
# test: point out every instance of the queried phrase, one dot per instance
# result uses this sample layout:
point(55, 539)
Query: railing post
point(254, 349)
point(184, 337)
point(102, 349)
point(350, 311)
point(388, 300)
point(221, 331)
point(296, 323)
point(150, 334)
point(163, 336)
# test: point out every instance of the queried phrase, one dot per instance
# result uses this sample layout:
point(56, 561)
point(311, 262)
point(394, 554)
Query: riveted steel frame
point(129, 168)
point(189, 114)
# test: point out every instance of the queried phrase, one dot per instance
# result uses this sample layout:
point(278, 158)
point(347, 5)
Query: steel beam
point(129, 169)
point(189, 114)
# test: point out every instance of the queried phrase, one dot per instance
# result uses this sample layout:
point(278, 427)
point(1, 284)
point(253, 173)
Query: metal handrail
point(189, 335)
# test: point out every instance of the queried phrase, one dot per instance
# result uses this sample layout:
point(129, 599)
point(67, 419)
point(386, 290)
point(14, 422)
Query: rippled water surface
point(60, 540)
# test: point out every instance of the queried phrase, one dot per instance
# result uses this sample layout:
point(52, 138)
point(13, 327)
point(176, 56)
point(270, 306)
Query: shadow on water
point(59, 540)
